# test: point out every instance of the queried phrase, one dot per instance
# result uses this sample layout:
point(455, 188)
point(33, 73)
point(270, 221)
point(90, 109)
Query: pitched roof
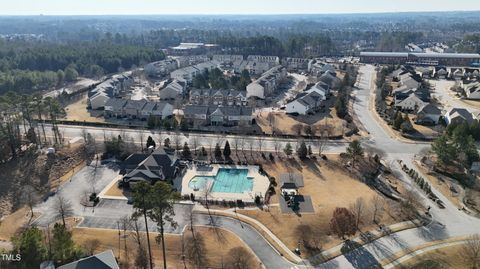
point(430, 109)
point(135, 104)
point(104, 260)
point(116, 103)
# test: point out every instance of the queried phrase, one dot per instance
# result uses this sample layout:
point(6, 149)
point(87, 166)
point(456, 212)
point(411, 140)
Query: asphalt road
point(448, 222)
point(100, 134)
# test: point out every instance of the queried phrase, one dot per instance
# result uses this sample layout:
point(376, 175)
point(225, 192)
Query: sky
point(153, 7)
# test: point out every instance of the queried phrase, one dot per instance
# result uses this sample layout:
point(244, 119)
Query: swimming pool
point(227, 180)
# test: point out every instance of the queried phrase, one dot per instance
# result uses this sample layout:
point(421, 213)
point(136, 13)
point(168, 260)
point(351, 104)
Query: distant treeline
point(29, 66)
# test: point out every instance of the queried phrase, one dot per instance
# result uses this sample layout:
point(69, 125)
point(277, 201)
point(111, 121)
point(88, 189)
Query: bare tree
point(30, 197)
point(195, 250)
point(242, 144)
point(271, 120)
point(126, 225)
point(410, 204)
point(236, 144)
point(276, 145)
point(177, 139)
point(471, 251)
point(141, 257)
point(321, 142)
point(260, 141)
point(194, 143)
point(250, 147)
point(377, 207)
point(240, 258)
point(206, 193)
point(297, 129)
point(141, 141)
point(358, 209)
point(63, 208)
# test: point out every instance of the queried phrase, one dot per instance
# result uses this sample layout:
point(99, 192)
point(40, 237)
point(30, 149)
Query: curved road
point(448, 222)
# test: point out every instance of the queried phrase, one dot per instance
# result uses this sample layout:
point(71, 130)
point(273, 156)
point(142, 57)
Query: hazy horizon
point(219, 7)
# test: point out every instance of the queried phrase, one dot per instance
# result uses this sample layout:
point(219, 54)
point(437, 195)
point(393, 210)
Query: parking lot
point(108, 213)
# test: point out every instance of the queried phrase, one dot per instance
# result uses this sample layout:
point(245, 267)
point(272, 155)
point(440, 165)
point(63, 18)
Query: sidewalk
point(422, 250)
point(264, 231)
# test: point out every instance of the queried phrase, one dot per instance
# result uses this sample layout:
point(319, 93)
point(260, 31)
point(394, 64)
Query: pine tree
point(218, 152)
point(226, 150)
point(288, 149)
point(302, 151)
point(186, 154)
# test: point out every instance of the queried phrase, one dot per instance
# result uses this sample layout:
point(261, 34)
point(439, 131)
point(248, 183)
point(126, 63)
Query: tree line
point(27, 67)
point(23, 122)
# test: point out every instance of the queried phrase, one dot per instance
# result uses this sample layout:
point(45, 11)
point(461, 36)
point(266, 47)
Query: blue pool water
point(226, 180)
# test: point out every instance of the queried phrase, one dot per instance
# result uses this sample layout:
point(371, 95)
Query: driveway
point(447, 97)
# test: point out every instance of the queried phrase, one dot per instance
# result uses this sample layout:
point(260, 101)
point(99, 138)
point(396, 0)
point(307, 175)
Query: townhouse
point(137, 109)
point(298, 64)
point(161, 68)
point(110, 88)
point(212, 115)
point(218, 97)
point(306, 103)
point(188, 73)
point(267, 83)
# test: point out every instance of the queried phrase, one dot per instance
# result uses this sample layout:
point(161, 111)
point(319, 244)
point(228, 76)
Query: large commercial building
point(433, 59)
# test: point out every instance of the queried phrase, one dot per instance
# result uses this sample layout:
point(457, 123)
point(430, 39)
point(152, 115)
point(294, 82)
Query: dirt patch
point(78, 111)
point(283, 124)
point(213, 238)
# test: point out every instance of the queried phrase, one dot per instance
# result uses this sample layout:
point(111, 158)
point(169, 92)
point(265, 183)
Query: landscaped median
point(324, 256)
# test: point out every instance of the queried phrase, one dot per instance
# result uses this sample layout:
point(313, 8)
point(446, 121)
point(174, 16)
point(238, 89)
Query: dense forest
point(26, 67)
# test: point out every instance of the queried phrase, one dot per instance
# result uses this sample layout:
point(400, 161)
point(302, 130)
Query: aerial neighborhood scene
point(239, 135)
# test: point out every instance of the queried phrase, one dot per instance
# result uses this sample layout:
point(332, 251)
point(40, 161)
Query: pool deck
point(260, 183)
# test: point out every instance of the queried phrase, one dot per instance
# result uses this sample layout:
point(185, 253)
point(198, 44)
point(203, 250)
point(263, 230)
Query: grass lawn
point(10, 225)
point(77, 111)
point(443, 258)
point(213, 238)
point(329, 186)
point(472, 103)
point(116, 191)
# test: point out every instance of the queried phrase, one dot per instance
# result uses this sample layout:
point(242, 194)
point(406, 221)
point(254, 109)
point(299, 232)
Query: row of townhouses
point(205, 115)
point(137, 109)
point(267, 83)
point(188, 73)
point(218, 97)
point(298, 64)
point(108, 89)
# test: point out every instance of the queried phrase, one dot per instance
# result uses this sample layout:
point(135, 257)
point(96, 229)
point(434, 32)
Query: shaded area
point(358, 256)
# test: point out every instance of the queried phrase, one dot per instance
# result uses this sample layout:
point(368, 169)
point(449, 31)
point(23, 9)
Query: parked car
point(440, 204)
